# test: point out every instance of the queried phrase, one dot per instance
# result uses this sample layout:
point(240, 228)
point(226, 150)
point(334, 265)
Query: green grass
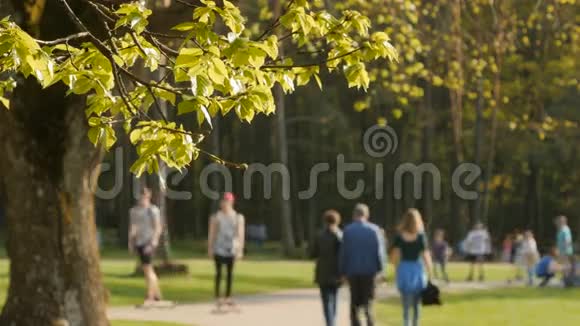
point(252, 276)
point(501, 307)
point(258, 273)
point(266, 272)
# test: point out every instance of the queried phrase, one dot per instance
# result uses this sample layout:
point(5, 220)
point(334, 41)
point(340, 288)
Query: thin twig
point(187, 4)
point(64, 39)
point(312, 64)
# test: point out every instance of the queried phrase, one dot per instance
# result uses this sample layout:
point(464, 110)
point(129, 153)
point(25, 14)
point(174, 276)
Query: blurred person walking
point(225, 245)
point(413, 260)
point(362, 260)
point(144, 232)
point(565, 244)
point(325, 250)
point(441, 253)
point(477, 245)
point(529, 255)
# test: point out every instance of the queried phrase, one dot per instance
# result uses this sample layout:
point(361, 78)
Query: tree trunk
point(49, 169)
point(458, 209)
point(285, 206)
point(50, 173)
point(476, 205)
point(427, 155)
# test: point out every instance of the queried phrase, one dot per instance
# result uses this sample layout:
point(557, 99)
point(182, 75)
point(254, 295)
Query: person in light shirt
point(144, 233)
point(565, 243)
point(477, 245)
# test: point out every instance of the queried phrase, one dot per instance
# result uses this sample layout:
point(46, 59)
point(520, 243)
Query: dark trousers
point(442, 266)
point(362, 293)
point(329, 296)
point(228, 262)
point(545, 279)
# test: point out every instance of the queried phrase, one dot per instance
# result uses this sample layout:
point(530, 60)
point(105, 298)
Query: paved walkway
point(285, 308)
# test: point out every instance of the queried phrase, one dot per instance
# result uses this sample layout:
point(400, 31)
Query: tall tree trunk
point(50, 172)
point(458, 209)
point(49, 169)
point(284, 205)
point(427, 154)
point(476, 205)
point(281, 149)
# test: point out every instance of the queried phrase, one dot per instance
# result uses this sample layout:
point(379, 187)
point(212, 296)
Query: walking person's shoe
point(219, 304)
point(231, 304)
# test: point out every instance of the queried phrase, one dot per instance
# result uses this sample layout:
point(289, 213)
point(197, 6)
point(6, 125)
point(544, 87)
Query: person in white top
point(144, 232)
point(529, 255)
point(477, 245)
point(226, 245)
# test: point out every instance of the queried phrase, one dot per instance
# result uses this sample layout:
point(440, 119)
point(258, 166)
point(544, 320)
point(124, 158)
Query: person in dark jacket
point(362, 260)
point(325, 250)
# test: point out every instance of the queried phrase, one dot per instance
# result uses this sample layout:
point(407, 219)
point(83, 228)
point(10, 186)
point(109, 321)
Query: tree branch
point(312, 64)
point(82, 35)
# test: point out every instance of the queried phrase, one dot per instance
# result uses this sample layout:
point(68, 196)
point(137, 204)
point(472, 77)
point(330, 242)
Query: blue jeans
point(411, 301)
point(329, 294)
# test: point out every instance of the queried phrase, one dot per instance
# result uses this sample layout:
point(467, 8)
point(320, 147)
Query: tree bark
point(281, 149)
point(458, 210)
point(427, 155)
point(285, 207)
point(50, 172)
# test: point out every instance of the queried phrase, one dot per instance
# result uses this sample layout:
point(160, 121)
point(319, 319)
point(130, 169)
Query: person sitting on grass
point(325, 249)
point(144, 233)
point(548, 266)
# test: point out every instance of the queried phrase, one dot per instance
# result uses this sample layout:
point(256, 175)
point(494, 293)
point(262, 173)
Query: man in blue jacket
point(362, 258)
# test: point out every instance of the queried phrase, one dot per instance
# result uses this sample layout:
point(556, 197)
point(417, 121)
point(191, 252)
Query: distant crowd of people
point(357, 256)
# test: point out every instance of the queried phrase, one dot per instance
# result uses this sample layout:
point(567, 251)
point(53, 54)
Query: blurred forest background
point(494, 83)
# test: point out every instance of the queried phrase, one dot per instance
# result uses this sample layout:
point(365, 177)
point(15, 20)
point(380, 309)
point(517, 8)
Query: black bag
point(431, 295)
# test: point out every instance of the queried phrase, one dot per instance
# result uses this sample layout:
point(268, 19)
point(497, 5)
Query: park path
point(299, 307)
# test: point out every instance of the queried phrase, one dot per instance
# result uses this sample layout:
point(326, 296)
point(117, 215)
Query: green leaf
point(5, 102)
point(95, 134)
point(186, 107)
point(183, 27)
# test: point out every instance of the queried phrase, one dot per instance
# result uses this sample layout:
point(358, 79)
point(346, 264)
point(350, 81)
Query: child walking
point(441, 252)
point(529, 255)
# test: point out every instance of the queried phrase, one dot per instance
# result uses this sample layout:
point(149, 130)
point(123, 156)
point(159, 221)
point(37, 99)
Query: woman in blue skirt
point(413, 261)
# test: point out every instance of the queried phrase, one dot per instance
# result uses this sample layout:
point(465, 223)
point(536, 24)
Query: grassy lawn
point(266, 272)
point(258, 273)
point(501, 307)
point(255, 274)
